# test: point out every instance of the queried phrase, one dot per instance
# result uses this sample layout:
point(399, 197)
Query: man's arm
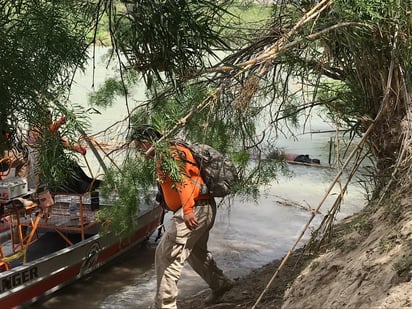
point(187, 192)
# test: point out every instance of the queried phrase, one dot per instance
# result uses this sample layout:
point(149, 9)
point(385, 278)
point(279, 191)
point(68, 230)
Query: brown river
point(246, 234)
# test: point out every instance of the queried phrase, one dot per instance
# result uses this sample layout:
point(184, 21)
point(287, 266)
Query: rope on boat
point(16, 256)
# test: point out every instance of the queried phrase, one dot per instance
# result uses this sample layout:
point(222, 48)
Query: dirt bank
point(248, 289)
point(368, 264)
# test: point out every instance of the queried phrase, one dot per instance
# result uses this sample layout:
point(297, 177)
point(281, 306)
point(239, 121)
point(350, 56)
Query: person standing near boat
point(11, 156)
point(187, 234)
point(77, 181)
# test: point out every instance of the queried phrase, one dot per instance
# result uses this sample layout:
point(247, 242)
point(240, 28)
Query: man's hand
point(190, 220)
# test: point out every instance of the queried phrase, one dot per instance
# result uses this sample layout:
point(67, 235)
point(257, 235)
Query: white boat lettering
point(19, 278)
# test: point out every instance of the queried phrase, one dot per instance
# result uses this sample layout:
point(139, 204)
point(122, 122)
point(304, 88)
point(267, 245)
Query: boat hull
point(27, 283)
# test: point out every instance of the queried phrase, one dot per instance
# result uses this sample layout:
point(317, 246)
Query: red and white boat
point(47, 248)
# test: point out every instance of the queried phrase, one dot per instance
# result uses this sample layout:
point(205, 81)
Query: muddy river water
point(246, 234)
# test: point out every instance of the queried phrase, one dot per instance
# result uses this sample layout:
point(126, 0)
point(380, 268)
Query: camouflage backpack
point(216, 170)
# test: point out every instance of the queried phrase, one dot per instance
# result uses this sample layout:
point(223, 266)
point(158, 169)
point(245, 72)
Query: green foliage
point(338, 106)
point(126, 188)
point(106, 94)
point(168, 165)
point(206, 126)
point(363, 54)
point(344, 61)
point(141, 31)
point(356, 58)
point(55, 159)
point(245, 19)
point(357, 10)
point(42, 44)
point(218, 125)
point(55, 164)
point(167, 36)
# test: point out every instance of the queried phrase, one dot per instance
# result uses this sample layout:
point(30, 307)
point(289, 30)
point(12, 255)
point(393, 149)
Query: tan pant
point(179, 244)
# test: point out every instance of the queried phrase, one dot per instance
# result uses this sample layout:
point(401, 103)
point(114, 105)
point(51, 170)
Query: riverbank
point(247, 289)
point(367, 264)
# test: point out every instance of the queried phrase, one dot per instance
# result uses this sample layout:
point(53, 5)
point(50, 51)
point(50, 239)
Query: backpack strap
point(179, 142)
point(203, 187)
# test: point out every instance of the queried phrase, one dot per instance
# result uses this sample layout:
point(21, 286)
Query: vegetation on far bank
point(249, 16)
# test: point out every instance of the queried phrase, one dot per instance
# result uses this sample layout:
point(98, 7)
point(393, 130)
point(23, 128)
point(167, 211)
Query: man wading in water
point(187, 233)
